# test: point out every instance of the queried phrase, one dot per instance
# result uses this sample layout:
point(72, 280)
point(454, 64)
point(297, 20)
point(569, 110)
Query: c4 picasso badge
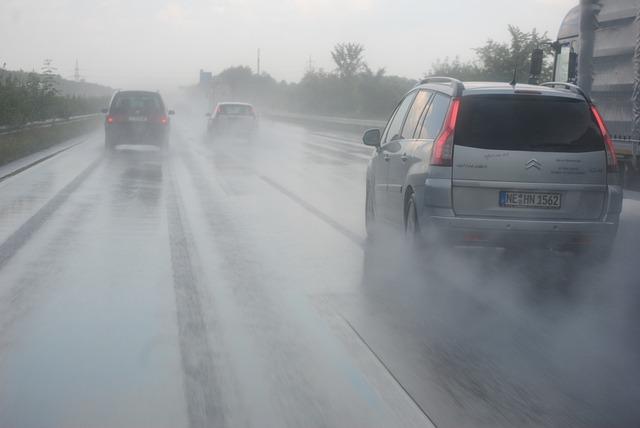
point(533, 163)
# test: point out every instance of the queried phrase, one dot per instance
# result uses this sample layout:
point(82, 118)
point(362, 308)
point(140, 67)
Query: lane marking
point(352, 236)
point(360, 242)
point(22, 235)
point(422, 410)
point(336, 152)
point(38, 161)
point(339, 140)
point(201, 395)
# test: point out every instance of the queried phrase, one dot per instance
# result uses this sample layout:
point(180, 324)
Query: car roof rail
point(458, 86)
point(568, 86)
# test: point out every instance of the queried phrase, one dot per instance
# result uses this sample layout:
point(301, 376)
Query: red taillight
point(612, 160)
point(442, 152)
point(219, 110)
point(109, 119)
point(164, 120)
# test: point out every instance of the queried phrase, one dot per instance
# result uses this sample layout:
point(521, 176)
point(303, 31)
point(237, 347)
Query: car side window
point(434, 117)
point(394, 129)
point(413, 117)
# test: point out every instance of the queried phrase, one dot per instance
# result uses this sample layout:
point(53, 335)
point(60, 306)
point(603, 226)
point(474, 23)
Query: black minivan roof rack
point(458, 86)
point(569, 86)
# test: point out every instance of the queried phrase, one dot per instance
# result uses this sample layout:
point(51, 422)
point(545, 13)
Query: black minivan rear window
point(143, 102)
point(527, 123)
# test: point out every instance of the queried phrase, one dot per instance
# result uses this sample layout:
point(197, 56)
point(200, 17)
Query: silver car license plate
point(137, 118)
point(515, 199)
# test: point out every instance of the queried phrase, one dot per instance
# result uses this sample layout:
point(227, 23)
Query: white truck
point(598, 48)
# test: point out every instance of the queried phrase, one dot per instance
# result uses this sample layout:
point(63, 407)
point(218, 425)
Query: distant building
point(206, 77)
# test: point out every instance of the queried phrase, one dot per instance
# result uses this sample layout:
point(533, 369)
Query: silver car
point(496, 164)
point(232, 119)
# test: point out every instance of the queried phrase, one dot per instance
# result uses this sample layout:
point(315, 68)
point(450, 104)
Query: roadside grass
point(21, 143)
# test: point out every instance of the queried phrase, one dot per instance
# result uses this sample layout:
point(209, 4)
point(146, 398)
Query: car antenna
point(515, 76)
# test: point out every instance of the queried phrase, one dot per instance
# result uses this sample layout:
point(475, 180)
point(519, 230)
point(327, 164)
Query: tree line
point(353, 89)
point(30, 97)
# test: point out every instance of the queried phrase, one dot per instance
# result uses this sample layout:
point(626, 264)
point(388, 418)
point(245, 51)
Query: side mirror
point(104, 110)
point(372, 137)
point(171, 112)
point(573, 67)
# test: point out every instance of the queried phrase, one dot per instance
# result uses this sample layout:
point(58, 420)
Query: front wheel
point(370, 212)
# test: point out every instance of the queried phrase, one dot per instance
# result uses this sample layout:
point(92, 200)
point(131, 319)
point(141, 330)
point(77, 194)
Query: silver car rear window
point(527, 123)
point(130, 102)
point(236, 109)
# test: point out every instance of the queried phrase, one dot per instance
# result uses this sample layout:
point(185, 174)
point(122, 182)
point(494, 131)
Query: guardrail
point(4, 130)
point(17, 142)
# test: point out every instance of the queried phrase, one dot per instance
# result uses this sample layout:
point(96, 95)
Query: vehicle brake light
point(164, 119)
point(442, 152)
point(612, 159)
point(109, 119)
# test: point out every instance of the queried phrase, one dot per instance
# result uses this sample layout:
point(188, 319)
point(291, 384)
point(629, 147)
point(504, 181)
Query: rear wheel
point(411, 225)
point(109, 145)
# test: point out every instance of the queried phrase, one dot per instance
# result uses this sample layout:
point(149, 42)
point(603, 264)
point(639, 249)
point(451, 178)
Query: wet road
point(230, 284)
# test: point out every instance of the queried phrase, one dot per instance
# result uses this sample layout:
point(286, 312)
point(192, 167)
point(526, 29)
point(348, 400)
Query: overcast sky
point(156, 44)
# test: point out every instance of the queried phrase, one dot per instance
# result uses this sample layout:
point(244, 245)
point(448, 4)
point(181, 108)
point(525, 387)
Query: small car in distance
point(137, 117)
point(232, 119)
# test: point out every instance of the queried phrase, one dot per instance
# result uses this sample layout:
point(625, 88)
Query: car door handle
point(404, 157)
point(387, 157)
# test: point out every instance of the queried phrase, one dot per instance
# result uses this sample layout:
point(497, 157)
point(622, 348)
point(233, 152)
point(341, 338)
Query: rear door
point(400, 156)
point(528, 156)
point(390, 145)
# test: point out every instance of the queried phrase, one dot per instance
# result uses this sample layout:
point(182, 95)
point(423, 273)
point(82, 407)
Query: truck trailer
point(598, 48)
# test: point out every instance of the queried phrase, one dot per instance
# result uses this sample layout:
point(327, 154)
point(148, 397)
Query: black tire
point(109, 145)
point(370, 212)
point(411, 224)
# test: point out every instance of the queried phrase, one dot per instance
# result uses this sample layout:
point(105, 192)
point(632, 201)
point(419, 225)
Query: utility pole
point(588, 24)
point(636, 82)
point(258, 68)
point(76, 73)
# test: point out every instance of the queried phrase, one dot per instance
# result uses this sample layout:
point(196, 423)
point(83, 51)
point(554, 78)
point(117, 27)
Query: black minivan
point(137, 117)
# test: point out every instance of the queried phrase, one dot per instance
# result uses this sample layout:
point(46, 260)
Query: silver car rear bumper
point(509, 232)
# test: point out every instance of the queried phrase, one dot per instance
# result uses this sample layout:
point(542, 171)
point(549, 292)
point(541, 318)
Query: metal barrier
point(5, 130)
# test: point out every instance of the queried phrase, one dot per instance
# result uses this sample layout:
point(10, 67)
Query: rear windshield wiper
point(560, 146)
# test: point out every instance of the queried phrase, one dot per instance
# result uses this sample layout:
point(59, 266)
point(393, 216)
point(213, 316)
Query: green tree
point(497, 61)
point(349, 59)
point(500, 60)
point(466, 71)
